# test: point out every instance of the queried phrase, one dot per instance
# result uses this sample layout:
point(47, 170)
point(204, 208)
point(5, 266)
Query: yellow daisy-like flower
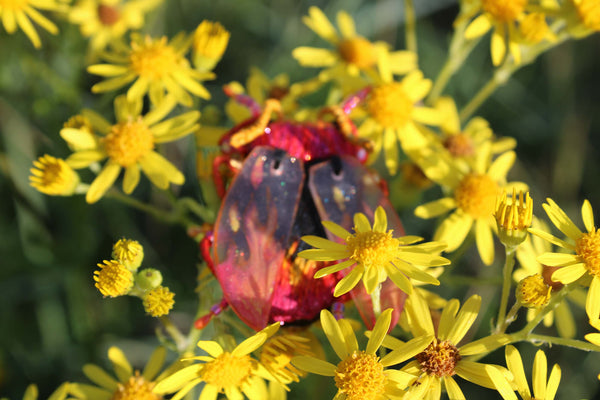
point(503, 17)
point(588, 12)
point(527, 254)
point(375, 255)
point(231, 373)
point(513, 216)
point(533, 291)
point(542, 390)
point(20, 13)
point(53, 176)
point(473, 199)
point(129, 384)
point(585, 261)
point(441, 360)
point(277, 353)
point(157, 67)
point(158, 301)
point(361, 374)
point(129, 144)
point(106, 21)
point(394, 113)
point(113, 279)
point(353, 53)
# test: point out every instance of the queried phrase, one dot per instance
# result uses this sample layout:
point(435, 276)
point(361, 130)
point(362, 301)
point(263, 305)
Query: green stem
point(180, 340)
point(459, 51)
point(411, 23)
point(574, 343)
point(512, 315)
point(506, 284)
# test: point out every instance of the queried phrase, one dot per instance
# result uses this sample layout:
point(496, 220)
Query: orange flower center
point(547, 272)
point(227, 370)
point(460, 145)
point(589, 12)
point(588, 248)
point(136, 388)
point(360, 376)
point(504, 10)
point(439, 358)
point(476, 195)
point(108, 15)
point(358, 51)
point(129, 141)
point(153, 59)
point(390, 106)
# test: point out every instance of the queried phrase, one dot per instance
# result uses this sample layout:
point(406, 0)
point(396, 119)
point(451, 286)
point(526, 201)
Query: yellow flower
point(361, 374)
point(353, 53)
point(513, 217)
point(129, 253)
point(232, 373)
point(21, 12)
point(503, 16)
point(588, 12)
point(106, 21)
point(375, 255)
point(129, 384)
point(394, 113)
point(158, 301)
point(210, 42)
point(586, 260)
point(277, 353)
point(534, 29)
point(53, 176)
point(473, 198)
point(441, 360)
point(129, 144)
point(542, 390)
point(156, 66)
point(113, 279)
point(533, 291)
point(527, 254)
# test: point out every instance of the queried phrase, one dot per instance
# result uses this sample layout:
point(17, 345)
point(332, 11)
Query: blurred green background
point(53, 320)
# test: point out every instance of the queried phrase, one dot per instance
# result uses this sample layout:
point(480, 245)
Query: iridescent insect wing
point(253, 229)
point(341, 187)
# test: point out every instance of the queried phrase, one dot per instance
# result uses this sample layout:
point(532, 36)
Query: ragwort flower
point(394, 113)
point(129, 144)
point(586, 260)
point(542, 390)
point(21, 12)
point(53, 176)
point(353, 52)
point(442, 359)
point(157, 67)
point(473, 198)
point(106, 21)
point(375, 255)
point(129, 384)
point(231, 373)
point(361, 374)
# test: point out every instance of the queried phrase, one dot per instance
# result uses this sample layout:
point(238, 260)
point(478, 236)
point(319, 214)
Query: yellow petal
point(588, 215)
point(333, 268)
point(249, 345)
point(348, 282)
point(314, 365)
point(103, 182)
point(484, 240)
point(319, 23)
point(478, 27)
point(592, 304)
point(454, 230)
point(155, 363)
point(334, 334)
point(212, 348)
point(435, 208)
point(453, 390)
point(501, 165)
point(465, 318)
point(553, 382)
point(349, 337)
point(498, 46)
point(540, 372)
point(336, 230)
point(131, 178)
point(346, 25)
point(515, 365)
point(560, 219)
point(379, 331)
point(447, 318)
point(407, 350)
point(558, 259)
point(500, 382)
point(120, 364)
point(107, 69)
point(100, 377)
point(314, 57)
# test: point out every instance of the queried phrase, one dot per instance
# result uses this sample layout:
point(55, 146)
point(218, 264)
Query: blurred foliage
point(54, 321)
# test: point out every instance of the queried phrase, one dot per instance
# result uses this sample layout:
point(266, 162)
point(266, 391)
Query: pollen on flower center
point(227, 370)
point(460, 145)
point(360, 376)
point(533, 292)
point(439, 358)
point(390, 106)
point(476, 195)
point(358, 51)
point(113, 279)
point(372, 248)
point(136, 388)
point(153, 59)
point(588, 248)
point(504, 10)
point(128, 141)
point(108, 15)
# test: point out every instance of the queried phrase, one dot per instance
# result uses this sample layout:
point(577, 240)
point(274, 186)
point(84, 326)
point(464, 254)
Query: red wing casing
point(252, 231)
point(340, 188)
